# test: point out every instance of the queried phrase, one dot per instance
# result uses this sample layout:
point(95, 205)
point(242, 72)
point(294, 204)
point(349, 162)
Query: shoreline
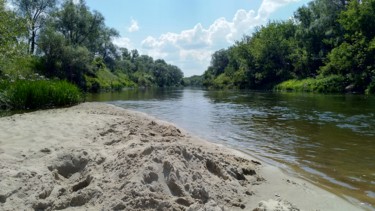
point(99, 156)
point(295, 172)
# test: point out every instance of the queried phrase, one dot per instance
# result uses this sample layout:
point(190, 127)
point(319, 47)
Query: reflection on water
point(328, 138)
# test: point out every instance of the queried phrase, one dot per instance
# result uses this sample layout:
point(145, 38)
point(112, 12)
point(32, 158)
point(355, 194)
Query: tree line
point(68, 41)
point(327, 43)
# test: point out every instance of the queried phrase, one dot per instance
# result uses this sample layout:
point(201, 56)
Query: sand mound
point(100, 157)
point(142, 164)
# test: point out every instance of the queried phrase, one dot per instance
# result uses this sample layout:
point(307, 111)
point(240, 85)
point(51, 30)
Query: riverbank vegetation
point(69, 42)
point(193, 81)
point(328, 46)
point(320, 84)
point(33, 94)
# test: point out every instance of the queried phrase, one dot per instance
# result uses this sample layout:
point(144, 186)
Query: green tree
point(359, 18)
point(271, 48)
point(11, 29)
point(63, 60)
point(318, 33)
point(134, 55)
point(194, 81)
point(166, 75)
point(81, 27)
point(355, 57)
point(330, 42)
point(72, 38)
point(35, 12)
point(219, 61)
point(106, 48)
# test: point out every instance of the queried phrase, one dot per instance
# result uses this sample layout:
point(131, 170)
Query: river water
point(327, 139)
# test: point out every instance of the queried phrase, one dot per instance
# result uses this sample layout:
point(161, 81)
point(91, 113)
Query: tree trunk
point(32, 44)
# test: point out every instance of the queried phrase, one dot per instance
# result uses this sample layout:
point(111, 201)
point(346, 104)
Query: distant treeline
point(69, 42)
point(195, 80)
point(328, 46)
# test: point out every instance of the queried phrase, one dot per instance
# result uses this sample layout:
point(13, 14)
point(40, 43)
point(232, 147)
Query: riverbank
point(98, 156)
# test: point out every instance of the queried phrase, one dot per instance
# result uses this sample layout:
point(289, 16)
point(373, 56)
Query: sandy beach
point(100, 157)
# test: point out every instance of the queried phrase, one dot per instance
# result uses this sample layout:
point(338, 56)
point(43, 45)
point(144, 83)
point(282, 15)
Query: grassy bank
point(105, 80)
point(28, 94)
point(330, 84)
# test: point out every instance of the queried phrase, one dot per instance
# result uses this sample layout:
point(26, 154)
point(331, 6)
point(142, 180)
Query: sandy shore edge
point(97, 156)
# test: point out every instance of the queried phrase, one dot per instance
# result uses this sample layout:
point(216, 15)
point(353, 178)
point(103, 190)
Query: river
point(327, 139)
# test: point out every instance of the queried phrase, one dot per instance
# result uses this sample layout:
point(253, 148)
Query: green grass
point(329, 84)
point(27, 94)
point(105, 80)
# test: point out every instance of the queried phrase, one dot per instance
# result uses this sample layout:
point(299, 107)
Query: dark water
point(328, 139)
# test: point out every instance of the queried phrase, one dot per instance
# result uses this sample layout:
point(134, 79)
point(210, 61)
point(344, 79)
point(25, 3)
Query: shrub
point(107, 81)
point(329, 84)
point(27, 94)
point(3, 85)
point(371, 88)
point(222, 82)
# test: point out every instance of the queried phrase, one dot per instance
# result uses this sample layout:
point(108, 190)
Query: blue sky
point(186, 32)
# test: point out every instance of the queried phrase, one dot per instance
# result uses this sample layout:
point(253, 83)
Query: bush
point(105, 80)
point(222, 82)
point(371, 88)
point(329, 84)
point(27, 94)
point(3, 85)
point(304, 85)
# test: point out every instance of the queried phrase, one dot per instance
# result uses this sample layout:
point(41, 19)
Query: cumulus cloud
point(269, 6)
point(134, 27)
point(123, 42)
point(191, 49)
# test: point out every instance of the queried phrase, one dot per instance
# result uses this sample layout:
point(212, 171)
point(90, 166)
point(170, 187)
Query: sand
point(100, 157)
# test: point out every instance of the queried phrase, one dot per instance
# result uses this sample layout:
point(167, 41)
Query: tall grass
point(27, 94)
point(329, 84)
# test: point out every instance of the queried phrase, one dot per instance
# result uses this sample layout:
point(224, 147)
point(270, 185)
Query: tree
point(318, 32)
point(71, 42)
point(106, 49)
point(63, 60)
point(331, 41)
point(219, 61)
point(134, 55)
point(72, 38)
point(355, 57)
point(175, 76)
point(271, 48)
point(81, 27)
point(125, 54)
point(76, 62)
point(35, 12)
point(51, 44)
point(359, 18)
point(11, 29)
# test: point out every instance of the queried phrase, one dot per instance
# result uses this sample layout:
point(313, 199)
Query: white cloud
point(123, 42)
point(191, 49)
point(269, 6)
point(134, 27)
